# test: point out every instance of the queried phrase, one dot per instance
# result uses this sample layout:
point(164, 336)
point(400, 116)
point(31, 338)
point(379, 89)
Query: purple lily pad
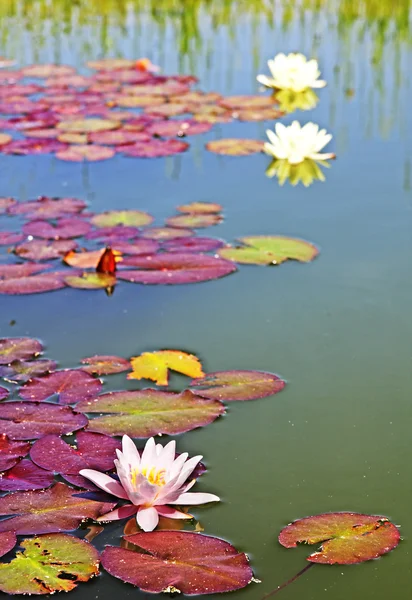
point(33, 284)
point(21, 270)
point(179, 128)
point(175, 268)
point(10, 237)
point(190, 563)
point(33, 146)
point(11, 452)
point(38, 250)
point(6, 204)
point(94, 451)
point(166, 233)
point(29, 420)
point(118, 138)
point(195, 221)
point(8, 540)
point(192, 244)
point(18, 348)
point(22, 371)
point(16, 106)
point(119, 232)
point(62, 229)
point(105, 365)
point(237, 385)
point(4, 393)
point(25, 476)
point(85, 152)
point(59, 508)
point(48, 208)
point(143, 413)
point(137, 247)
point(155, 148)
point(71, 385)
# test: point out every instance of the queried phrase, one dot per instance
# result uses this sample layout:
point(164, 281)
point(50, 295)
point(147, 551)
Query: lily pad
point(33, 284)
point(21, 270)
point(18, 348)
point(7, 238)
point(259, 114)
point(347, 538)
point(235, 146)
point(48, 564)
point(156, 365)
point(38, 250)
point(179, 128)
point(84, 260)
point(105, 365)
point(179, 561)
point(85, 152)
point(11, 452)
point(47, 70)
point(118, 137)
point(247, 102)
point(228, 386)
point(144, 413)
point(71, 386)
point(48, 208)
point(136, 247)
point(110, 64)
point(62, 229)
point(129, 101)
point(25, 476)
point(91, 281)
point(22, 371)
point(6, 204)
point(94, 451)
point(171, 109)
point(155, 148)
point(118, 232)
point(33, 146)
point(47, 133)
point(270, 249)
point(4, 392)
point(87, 125)
point(135, 218)
point(73, 138)
point(166, 233)
point(7, 542)
point(200, 208)
point(196, 221)
point(5, 138)
point(192, 244)
point(170, 88)
point(175, 268)
point(29, 420)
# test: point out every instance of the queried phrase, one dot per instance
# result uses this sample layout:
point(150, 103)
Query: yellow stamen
point(153, 476)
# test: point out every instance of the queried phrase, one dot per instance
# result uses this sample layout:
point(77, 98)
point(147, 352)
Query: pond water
point(338, 329)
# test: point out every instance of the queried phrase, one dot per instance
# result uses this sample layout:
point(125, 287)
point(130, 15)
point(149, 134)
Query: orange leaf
point(87, 260)
point(155, 365)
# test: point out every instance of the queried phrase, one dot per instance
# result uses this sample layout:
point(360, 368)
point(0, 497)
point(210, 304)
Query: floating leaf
point(91, 281)
point(73, 138)
point(3, 393)
point(6, 204)
point(48, 564)
point(136, 247)
point(94, 451)
point(22, 371)
point(237, 385)
point(105, 365)
point(29, 420)
point(61, 229)
point(117, 232)
point(58, 508)
point(348, 538)
point(235, 146)
point(47, 70)
point(25, 476)
point(175, 268)
point(7, 542)
point(5, 138)
point(81, 152)
point(87, 125)
point(270, 249)
point(129, 101)
point(118, 137)
point(155, 365)
point(169, 88)
point(166, 233)
point(196, 221)
point(201, 208)
point(259, 114)
point(41, 250)
point(110, 63)
point(18, 348)
point(33, 284)
point(247, 102)
point(155, 148)
point(178, 128)
point(71, 385)
point(171, 109)
point(113, 218)
point(192, 244)
point(11, 452)
point(177, 561)
point(21, 270)
point(143, 413)
point(33, 146)
point(47, 133)
point(48, 208)
point(83, 260)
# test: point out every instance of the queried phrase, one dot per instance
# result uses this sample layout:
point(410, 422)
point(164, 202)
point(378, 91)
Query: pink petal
point(188, 469)
point(149, 453)
point(166, 457)
point(195, 498)
point(104, 482)
point(130, 452)
point(172, 513)
point(147, 518)
point(119, 513)
point(177, 465)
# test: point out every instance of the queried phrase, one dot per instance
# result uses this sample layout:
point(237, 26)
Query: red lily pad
point(347, 538)
point(18, 348)
point(7, 542)
point(11, 452)
point(235, 146)
point(71, 385)
point(10, 237)
point(33, 146)
point(196, 221)
point(179, 561)
point(48, 208)
point(155, 148)
point(22, 371)
point(49, 564)
point(33, 284)
point(62, 229)
point(58, 508)
point(178, 128)
point(140, 122)
point(4, 392)
point(119, 232)
point(192, 244)
point(85, 152)
point(16, 105)
point(200, 208)
point(118, 137)
point(143, 413)
point(166, 233)
point(136, 247)
point(21, 270)
point(269, 249)
point(247, 102)
point(113, 218)
point(91, 281)
point(105, 365)
point(38, 250)
point(228, 386)
point(29, 420)
point(175, 268)
point(47, 70)
point(25, 476)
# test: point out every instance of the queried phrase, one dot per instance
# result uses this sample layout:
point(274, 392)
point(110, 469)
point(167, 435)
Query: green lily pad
point(135, 218)
point(87, 125)
point(48, 564)
point(269, 250)
point(91, 281)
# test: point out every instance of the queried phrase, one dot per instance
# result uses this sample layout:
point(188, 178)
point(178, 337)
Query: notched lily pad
point(11, 452)
point(71, 386)
point(25, 476)
point(235, 146)
point(196, 221)
point(269, 250)
point(237, 385)
point(347, 538)
point(38, 250)
point(14, 348)
point(48, 564)
point(22, 371)
point(156, 365)
point(62, 229)
point(105, 365)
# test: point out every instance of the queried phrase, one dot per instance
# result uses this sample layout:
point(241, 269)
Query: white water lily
point(295, 143)
point(292, 72)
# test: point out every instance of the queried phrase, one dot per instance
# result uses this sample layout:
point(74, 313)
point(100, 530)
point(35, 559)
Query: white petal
point(104, 482)
point(195, 498)
point(149, 453)
point(130, 452)
point(147, 518)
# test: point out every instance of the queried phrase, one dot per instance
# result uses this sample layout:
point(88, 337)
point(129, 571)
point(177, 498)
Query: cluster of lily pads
point(59, 245)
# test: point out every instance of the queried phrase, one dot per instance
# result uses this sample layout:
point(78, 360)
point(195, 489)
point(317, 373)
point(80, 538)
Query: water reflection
point(305, 172)
point(289, 101)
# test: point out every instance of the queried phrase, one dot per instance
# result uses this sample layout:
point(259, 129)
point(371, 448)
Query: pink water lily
point(150, 481)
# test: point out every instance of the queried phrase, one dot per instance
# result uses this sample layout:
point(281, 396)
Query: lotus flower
point(295, 143)
point(150, 482)
point(292, 72)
